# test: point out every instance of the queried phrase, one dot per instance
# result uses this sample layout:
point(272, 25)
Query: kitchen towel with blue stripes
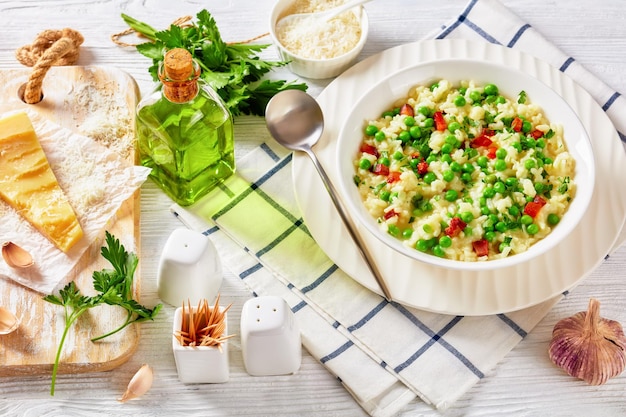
point(384, 353)
point(390, 357)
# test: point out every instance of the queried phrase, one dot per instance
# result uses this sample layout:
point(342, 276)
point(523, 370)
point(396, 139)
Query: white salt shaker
point(189, 269)
point(270, 338)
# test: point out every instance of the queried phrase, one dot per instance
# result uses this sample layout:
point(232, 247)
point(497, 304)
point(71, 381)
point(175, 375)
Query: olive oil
point(185, 132)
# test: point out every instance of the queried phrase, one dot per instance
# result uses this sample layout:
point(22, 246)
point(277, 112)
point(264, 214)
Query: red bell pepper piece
point(388, 215)
point(422, 168)
point(480, 141)
point(393, 177)
point(440, 122)
point(536, 134)
point(481, 247)
point(455, 226)
point(407, 110)
point(491, 152)
point(380, 169)
point(370, 149)
point(532, 208)
point(517, 124)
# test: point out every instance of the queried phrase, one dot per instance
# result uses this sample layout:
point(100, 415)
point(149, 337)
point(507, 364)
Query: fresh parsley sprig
point(233, 70)
point(114, 286)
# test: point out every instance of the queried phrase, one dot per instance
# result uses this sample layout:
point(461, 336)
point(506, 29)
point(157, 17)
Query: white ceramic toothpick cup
point(270, 338)
point(200, 364)
point(189, 269)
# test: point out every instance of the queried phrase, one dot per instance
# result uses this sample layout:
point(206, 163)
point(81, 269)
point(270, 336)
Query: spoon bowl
point(296, 121)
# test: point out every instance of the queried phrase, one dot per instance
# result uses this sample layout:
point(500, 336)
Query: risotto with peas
point(465, 173)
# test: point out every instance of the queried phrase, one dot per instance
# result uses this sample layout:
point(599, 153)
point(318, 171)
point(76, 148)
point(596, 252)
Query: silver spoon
point(296, 121)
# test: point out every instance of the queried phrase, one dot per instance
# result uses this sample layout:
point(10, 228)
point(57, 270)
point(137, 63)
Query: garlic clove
point(15, 256)
point(8, 321)
point(139, 384)
point(588, 346)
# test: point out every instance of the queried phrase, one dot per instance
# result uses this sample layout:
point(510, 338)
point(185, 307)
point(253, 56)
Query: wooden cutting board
point(72, 97)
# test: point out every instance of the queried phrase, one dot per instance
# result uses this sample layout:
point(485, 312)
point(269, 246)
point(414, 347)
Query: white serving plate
point(449, 291)
point(510, 82)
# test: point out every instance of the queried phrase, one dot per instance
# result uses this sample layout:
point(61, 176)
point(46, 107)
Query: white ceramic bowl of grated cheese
point(318, 51)
point(411, 212)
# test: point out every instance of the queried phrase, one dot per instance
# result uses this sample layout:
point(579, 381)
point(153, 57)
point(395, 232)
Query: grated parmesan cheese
point(321, 40)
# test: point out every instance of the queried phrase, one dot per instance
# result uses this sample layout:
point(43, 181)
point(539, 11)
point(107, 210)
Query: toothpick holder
point(189, 269)
point(200, 364)
point(270, 338)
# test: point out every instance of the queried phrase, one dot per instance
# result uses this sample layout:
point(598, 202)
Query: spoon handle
point(346, 6)
point(349, 225)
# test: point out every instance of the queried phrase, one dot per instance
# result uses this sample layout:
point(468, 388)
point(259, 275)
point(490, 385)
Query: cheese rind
point(28, 184)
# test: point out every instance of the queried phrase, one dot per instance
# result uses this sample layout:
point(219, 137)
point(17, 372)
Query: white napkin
point(386, 355)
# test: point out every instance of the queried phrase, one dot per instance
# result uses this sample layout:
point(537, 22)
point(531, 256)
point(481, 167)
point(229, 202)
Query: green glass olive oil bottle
point(185, 132)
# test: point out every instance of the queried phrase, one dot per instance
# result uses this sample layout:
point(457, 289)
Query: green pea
point(517, 146)
point(490, 236)
point(491, 89)
point(548, 161)
point(431, 158)
point(502, 246)
point(446, 148)
point(448, 175)
point(511, 182)
point(393, 230)
point(499, 165)
point(501, 153)
point(468, 231)
point(475, 95)
point(388, 113)
point(526, 220)
point(446, 158)
point(380, 136)
point(365, 164)
point(467, 167)
point(415, 132)
point(407, 233)
point(541, 143)
point(451, 195)
point(445, 241)
point(451, 139)
point(409, 121)
point(425, 111)
point(488, 225)
point(530, 143)
point(467, 217)
point(422, 245)
point(485, 210)
point(397, 155)
point(501, 227)
point(371, 130)
point(482, 161)
point(439, 251)
point(429, 122)
point(460, 101)
point(494, 218)
point(455, 166)
point(532, 229)
point(514, 211)
point(489, 192)
point(384, 195)
point(553, 219)
point(527, 127)
point(427, 228)
point(384, 161)
point(429, 177)
point(499, 187)
point(466, 177)
point(404, 136)
point(530, 164)
point(500, 100)
point(454, 126)
point(490, 179)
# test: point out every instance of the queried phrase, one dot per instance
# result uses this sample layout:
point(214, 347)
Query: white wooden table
point(525, 383)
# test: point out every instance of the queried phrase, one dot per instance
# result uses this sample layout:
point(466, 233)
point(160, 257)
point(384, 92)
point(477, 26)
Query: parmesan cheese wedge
point(28, 184)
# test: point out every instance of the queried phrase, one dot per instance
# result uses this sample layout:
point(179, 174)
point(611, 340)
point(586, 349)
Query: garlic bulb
point(588, 346)
point(139, 384)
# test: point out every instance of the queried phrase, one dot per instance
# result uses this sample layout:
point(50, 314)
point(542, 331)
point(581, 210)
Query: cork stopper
point(178, 64)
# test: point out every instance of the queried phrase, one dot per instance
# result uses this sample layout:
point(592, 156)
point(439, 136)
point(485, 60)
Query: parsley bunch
point(233, 70)
point(115, 287)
